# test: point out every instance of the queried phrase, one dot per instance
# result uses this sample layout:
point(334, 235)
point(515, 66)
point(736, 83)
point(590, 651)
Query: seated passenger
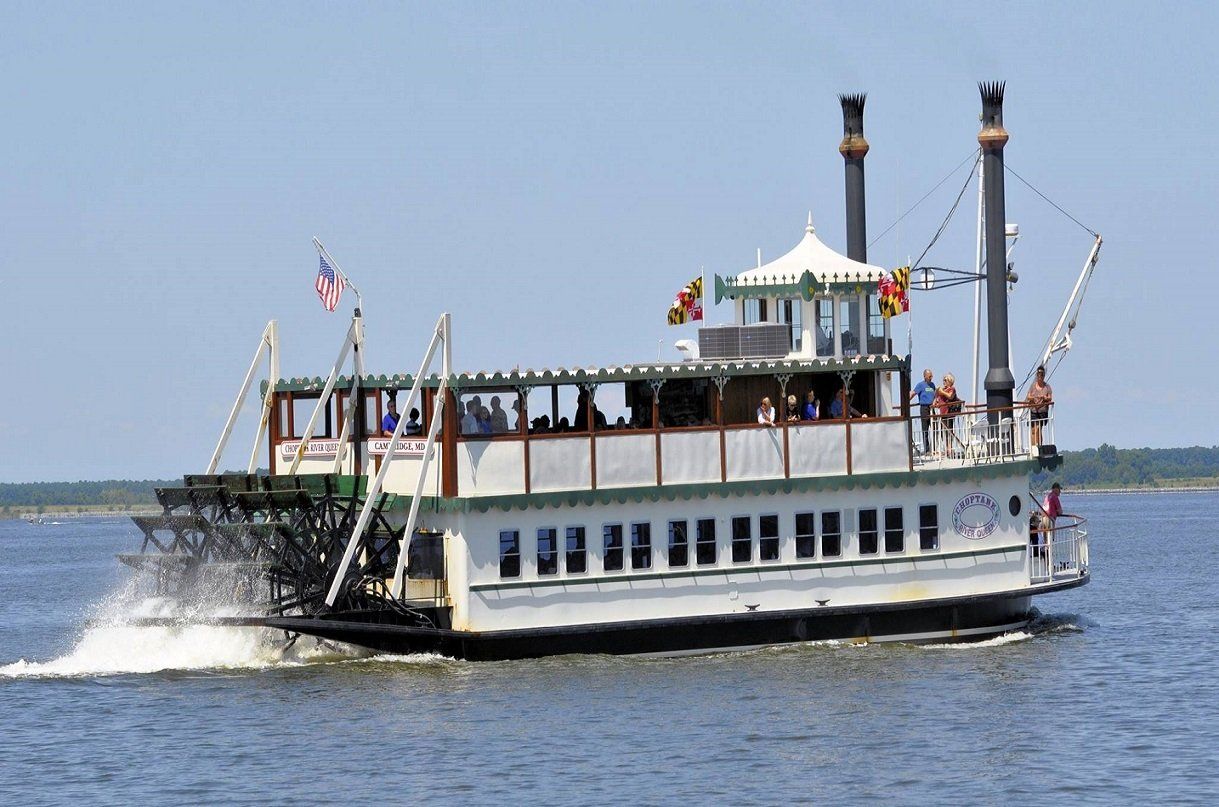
point(836, 407)
point(793, 411)
point(469, 421)
point(540, 425)
point(564, 425)
point(484, 420)
point(766, 413)
point(811, 410)
point(390, 421)
point(499, 418)
point(620, 423)
point(413, 426)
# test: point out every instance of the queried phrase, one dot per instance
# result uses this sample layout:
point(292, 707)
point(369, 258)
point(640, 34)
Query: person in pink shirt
point(1052, 505)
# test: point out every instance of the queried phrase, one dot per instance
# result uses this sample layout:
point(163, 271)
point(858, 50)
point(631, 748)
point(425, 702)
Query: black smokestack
point(853, 150)
point(993, 137)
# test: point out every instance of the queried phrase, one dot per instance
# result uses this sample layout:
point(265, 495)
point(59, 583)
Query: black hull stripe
point(980, 616)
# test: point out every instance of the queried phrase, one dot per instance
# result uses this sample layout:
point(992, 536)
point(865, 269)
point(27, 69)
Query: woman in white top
point(766, 413)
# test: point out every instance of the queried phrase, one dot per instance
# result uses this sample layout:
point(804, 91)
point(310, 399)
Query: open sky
point(552, 174)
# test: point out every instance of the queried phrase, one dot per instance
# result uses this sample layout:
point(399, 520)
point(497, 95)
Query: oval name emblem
point(976, 516)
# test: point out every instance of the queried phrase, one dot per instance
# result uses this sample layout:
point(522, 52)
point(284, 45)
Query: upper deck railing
point(977, 436)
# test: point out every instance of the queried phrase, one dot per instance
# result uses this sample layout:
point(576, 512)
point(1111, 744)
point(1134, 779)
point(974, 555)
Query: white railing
point(970, 438)
point(1059, 552)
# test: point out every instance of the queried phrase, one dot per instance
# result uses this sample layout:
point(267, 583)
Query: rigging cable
point(951, 212)
point(947, 177)
point(1085, 227)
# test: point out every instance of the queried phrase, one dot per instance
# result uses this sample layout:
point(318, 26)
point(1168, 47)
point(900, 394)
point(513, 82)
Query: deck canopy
point(808, 268)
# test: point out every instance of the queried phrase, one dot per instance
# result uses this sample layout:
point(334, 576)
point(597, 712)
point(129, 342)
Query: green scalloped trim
point(723, 490)
point(700, 369)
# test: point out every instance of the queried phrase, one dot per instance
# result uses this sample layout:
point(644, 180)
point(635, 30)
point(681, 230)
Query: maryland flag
point(892, 288)
point(689, 303)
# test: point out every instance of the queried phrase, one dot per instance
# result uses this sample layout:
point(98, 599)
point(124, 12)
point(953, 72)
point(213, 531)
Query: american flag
point(329, 285)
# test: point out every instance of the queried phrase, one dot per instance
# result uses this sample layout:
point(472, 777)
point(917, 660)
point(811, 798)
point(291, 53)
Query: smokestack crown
point(853, 146)
point(993, 135)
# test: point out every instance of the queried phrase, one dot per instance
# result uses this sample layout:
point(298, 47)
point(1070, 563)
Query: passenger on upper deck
point(793, 410)
point(925, 392)
point(579, 423)
point(390, 421)
point(766, 413)
point(811, 410)
point(836, 407)
point(469, 421)
point(499, 418)
point(413, 427)
point(1039, 399)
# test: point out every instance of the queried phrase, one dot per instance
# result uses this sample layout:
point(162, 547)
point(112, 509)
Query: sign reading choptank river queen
point(976, 516)
point(327, 449)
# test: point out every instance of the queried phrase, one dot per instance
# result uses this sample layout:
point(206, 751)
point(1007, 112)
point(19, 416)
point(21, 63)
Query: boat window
point(548, 551)
point(372, 415)
point(806, 535)
point(742, 541)
point(895, 533)
point(679, 546)
point(577, 555)
point(849, 325)
point(824, 330)
point(285, 428)
point(928, 527)
point(612, 559)
point(488, 412)
point(755, 311)
point(704, 542)
point(831, 534)
point(302, 410)
point(509, 553)
point(791, 315)
point(876, 326)
point(869, 532)
point(557, 409)
point(768, 537)
point(687, 402)
point(641, 545)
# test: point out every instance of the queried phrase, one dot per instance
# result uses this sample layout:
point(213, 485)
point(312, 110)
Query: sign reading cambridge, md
point(976, 516)
point(327, 449)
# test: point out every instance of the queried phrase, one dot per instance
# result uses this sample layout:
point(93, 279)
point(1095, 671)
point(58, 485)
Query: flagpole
point(330, 260)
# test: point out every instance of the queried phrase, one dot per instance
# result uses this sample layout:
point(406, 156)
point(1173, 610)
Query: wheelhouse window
point(768, 537)
point(641, 545)
point(806, 535)
point(876, 326)
point(577, 552)
point(848, 323)
point(928, 527)
point(755, 311)
point(679, 544)
point(704, 542)
point(895, 531)
point(488, 412)
point(791, 315)
point(612, 559)
point(831, 534)
point(869, 532)
point(824, 330)
point(509, 553)
point(548, 551)
point(742, 540)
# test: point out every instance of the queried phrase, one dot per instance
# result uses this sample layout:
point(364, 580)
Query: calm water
point(1114, 699)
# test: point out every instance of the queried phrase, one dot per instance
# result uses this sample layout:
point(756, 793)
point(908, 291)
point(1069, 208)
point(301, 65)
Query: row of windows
point(875, 524)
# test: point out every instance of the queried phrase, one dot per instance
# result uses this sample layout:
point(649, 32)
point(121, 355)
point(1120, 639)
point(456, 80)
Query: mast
point(999, 382)
point(853, 149)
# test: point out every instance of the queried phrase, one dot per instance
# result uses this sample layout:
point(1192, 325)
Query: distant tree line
point(1108, 466)
point(104, 492)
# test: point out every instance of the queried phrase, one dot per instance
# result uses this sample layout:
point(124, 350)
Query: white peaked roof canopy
point(811, 255)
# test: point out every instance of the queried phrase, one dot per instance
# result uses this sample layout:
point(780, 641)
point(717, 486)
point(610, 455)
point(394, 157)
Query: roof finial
point(810, 228)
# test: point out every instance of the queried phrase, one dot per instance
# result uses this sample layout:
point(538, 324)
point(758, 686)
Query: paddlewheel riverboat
point(642, 509)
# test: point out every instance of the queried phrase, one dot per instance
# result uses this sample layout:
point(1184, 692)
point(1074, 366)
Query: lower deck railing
point(1059, 550)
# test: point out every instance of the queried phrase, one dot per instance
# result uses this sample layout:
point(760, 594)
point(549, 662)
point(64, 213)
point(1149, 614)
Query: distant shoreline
point(59, 512)
point(1133, 490)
